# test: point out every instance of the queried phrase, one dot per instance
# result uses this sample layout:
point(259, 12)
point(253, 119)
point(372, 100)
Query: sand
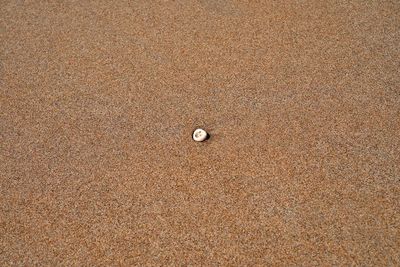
point(97, 107)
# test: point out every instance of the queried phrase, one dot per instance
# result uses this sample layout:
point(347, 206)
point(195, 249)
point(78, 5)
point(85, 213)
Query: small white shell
point(199, 135)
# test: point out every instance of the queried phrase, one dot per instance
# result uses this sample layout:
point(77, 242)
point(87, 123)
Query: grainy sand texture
point(99, 99)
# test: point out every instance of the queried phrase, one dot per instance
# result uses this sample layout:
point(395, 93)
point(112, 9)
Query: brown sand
point(99, 100)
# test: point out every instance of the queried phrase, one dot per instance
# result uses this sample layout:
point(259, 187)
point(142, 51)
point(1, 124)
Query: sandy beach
point(99, 100)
